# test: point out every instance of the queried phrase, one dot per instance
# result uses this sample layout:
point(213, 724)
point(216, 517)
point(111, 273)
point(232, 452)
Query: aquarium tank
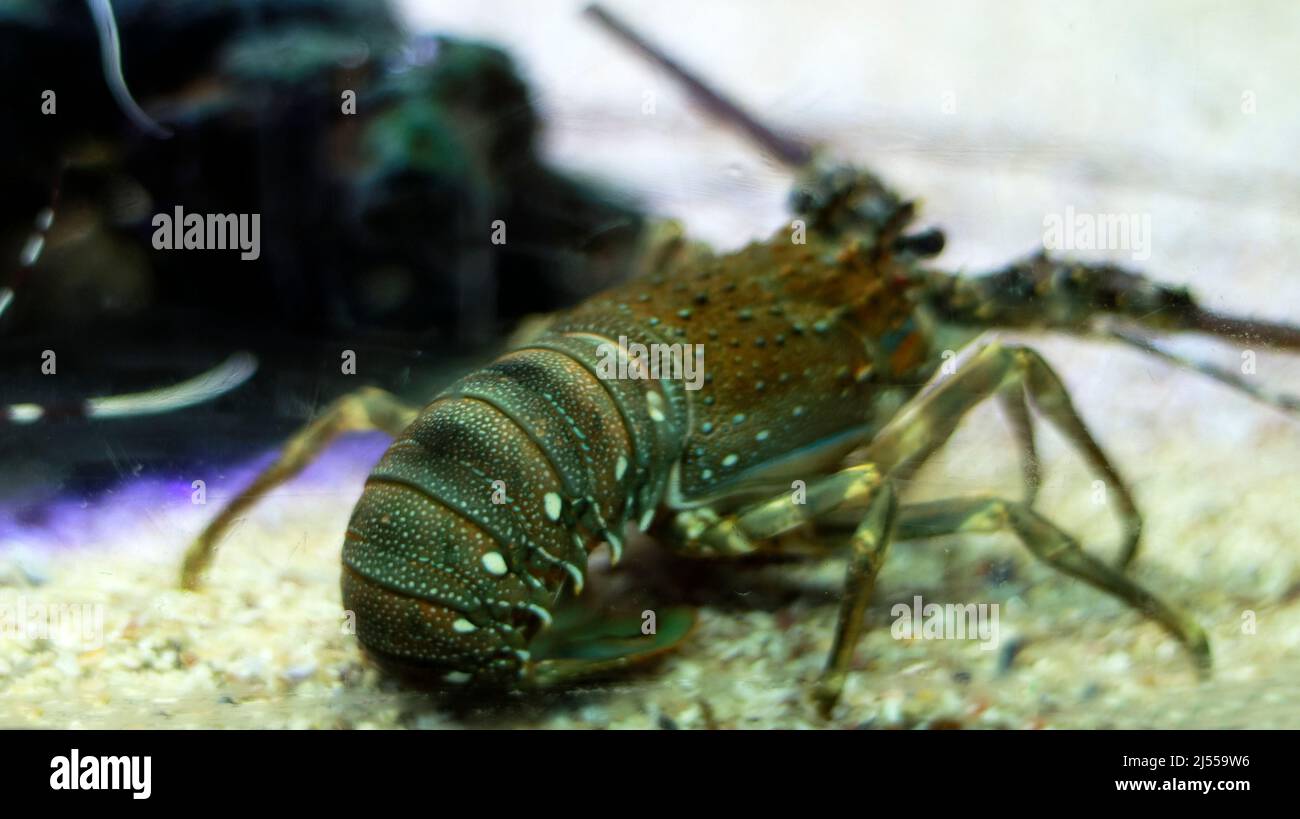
point(723, 365)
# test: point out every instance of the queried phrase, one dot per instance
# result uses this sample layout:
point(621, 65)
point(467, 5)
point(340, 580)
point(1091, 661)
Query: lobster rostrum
point(828, 339)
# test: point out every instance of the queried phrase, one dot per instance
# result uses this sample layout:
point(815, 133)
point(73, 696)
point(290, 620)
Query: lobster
point(833, 338)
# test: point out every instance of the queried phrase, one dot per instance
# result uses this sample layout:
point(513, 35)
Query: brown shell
point(801, 341)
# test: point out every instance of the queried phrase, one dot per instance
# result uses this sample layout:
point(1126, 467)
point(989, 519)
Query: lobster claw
point(582, 643)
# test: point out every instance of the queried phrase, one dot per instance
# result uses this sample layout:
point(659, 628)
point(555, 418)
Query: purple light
point(163, 507)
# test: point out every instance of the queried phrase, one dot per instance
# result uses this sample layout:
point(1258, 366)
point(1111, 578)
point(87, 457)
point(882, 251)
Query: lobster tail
point(486, 508)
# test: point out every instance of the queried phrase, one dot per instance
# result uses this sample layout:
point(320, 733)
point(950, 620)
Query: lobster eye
point(927, 243)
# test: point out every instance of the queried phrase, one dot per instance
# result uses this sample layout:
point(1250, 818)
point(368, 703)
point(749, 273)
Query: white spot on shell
point(553, 505)
point(494, 563)
point(655, 406)
point(620, 468)
point(463, 626)
point(646, 520)
point(730, 460)
point(457, 677)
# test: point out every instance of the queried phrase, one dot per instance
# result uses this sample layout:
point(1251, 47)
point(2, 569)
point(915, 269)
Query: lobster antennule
point(1043, 293)
point(1190, 317)
point(1234, 329)
point(1259, 392)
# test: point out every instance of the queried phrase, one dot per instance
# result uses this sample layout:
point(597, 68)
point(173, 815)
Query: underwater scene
point(445, 364)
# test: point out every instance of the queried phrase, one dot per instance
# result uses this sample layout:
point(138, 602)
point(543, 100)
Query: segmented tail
point(487, 506)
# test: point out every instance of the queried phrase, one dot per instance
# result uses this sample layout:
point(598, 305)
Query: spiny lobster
point(826, 339)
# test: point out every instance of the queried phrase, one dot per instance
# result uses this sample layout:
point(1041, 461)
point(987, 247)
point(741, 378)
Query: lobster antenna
point(206, 386)
point(110, 49)
point(794, 153)
point(789, 151)
point(1281, 336)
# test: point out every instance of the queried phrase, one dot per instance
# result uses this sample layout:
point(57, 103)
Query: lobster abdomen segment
point(492, 499)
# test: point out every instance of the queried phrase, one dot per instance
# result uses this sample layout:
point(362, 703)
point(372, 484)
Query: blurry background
point(1049, 104)
point(995, 115)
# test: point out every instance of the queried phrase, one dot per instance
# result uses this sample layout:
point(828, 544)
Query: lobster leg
point(366, 409)
point(868, 549)
point(1010, 372)
point(702, 533)
point(1016, 407)
point(928, 422)
point(1056, 548)
point(1048, 542)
